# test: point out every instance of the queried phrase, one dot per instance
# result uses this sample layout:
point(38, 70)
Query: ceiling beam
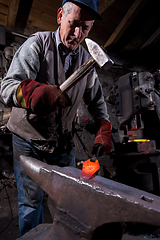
point(22, 16)
point(154, 36)
point(126, 21)
point(12, 14)
point(104, 4)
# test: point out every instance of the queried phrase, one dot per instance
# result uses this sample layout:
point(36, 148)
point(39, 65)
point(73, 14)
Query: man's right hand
point(41, 99)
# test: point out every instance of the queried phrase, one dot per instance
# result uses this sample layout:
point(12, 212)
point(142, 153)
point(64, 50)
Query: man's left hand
point(103, 141)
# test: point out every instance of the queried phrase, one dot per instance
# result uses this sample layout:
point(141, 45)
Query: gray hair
point(67, 8)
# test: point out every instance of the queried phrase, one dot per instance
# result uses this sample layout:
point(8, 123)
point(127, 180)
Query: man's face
point(74, 27)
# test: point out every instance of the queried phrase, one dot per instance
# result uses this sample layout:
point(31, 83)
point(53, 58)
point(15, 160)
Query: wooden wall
point(4, 6)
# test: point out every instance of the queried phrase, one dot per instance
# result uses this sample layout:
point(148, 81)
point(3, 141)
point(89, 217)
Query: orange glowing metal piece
point(141, 140)
point(89, 168)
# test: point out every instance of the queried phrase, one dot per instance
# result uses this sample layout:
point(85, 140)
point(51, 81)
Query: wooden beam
point(104, 4)
point(126, 21)
point(40, 23)
point(12, 14)
point(45, 8)
point(22, 16)
point(155, 35)
point(3, 9)
point(5, 2)
point(3, 19)
point(42, 16)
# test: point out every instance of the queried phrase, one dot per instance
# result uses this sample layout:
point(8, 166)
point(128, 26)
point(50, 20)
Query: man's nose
point(78, 32)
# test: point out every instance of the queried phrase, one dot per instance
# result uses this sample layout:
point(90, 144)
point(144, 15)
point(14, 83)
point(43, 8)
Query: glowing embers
point(136, 146)
point(139, 140)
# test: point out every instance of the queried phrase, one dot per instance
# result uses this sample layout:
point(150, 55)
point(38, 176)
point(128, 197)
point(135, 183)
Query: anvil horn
point(37, 170)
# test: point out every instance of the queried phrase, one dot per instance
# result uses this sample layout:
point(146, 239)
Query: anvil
point(81, 205)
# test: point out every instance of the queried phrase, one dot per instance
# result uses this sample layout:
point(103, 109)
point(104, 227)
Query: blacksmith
point(42, 115)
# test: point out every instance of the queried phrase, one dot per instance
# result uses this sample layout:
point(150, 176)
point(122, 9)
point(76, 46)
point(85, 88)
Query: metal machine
point(136, 99)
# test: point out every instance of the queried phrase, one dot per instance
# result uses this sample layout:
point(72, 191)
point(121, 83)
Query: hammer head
point(99, 55)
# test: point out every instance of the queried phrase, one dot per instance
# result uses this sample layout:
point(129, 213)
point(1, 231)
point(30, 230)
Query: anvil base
point(38, 233)
point(41, 231)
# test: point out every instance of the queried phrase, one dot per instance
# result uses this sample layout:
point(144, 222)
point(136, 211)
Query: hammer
point(98, 55)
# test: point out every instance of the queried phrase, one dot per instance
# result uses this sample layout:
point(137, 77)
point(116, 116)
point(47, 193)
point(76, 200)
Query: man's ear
point(59, 15)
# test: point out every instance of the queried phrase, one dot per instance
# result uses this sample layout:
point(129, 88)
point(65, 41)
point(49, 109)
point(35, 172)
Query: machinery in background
point(136, 99)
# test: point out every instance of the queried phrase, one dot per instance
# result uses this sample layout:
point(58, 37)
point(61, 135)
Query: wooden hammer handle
point(78, 74)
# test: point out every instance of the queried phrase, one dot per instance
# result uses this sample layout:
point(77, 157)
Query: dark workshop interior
point(130, 33)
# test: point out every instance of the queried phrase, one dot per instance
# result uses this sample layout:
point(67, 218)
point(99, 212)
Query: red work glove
point(41, 99)
point(103, 141)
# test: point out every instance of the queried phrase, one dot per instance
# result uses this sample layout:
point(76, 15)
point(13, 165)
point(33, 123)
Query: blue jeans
point(30, 196)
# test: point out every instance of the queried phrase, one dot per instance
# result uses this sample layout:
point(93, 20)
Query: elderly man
point(42, 115)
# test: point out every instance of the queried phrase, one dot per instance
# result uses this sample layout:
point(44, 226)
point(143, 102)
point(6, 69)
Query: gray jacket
point(39, 59)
